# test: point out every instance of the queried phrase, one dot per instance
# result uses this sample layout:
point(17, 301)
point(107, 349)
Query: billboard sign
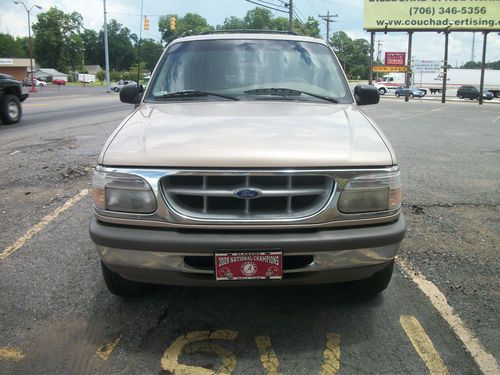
point(395, 58)
point(390, 69)
point(432, 15)
point(427, 66)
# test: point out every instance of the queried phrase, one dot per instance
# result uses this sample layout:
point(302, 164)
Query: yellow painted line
point(485, 360)
point(105, 350)
point(331, 355)
point(190, 343)
point(9, 250)
point(34, 105)
point(423, 345)
point(268, 357)
point(60, 97)
point(11, 354)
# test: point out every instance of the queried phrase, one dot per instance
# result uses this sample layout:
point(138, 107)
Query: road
point(56, 316)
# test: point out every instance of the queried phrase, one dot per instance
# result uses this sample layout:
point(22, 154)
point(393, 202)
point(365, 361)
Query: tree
point(354, 55)
point(94, 50)
point(190, 24)
point(262, 19)
point(121, 46)
point(57, 41)
point(10, 47)
point(150, 53)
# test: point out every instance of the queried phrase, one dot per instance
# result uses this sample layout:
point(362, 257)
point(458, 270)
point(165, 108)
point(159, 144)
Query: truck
point(433, 82)
point(11, 97)
point(247, 166)
point(86, 78)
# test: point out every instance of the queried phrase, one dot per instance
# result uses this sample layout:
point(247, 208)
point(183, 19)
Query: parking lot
point(439, 314)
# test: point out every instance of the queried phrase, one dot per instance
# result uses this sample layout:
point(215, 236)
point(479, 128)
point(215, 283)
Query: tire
point(10, 110)
point(116, 89)
point(122, 287)
point(410, 95)
point(397, 95)
point(376, 283)
point(382, 91)
point(460, 96)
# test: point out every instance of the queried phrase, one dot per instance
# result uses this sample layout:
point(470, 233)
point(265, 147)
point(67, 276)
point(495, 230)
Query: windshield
point(242, 67)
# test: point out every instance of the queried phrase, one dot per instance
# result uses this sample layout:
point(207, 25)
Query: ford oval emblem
point(247, 193)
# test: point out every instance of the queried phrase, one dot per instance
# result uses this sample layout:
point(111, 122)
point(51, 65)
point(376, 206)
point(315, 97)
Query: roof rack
point(249, 31)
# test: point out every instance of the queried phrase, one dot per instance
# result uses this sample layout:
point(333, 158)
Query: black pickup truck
point(11, 97)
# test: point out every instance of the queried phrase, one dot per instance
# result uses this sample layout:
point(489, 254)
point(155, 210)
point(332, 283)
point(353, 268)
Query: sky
point(426, 46)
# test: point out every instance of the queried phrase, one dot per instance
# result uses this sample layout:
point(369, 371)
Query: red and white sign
point(395, 58)
point(249, 266)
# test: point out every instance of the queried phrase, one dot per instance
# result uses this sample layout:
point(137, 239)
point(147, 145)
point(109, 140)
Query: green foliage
point(10, 47)
point(150, 53)
point(190, 24)
point(57, 41)
point(121, 41)
point(94, 50)
point(354, 55)
point(262, 19)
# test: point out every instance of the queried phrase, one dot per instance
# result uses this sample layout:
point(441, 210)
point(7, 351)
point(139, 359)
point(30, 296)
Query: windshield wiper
point(287, 92)
point(193, 93)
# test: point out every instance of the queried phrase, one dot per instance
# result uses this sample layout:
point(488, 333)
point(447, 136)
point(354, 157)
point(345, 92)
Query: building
point(16, 67)
point(92, 69)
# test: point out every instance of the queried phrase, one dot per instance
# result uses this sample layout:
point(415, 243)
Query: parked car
point(59, 82)
point(412, 92)
point(471, 92)
point(11, 97)
point(121, 84)
point(248, 161)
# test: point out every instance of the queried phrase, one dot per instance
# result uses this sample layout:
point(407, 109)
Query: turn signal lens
point(371, 193)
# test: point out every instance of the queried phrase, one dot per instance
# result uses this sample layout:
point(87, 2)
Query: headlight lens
point(370, 193)
point(122, 193)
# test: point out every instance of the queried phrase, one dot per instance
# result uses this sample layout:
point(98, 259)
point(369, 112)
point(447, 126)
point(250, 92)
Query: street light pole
point(33, 88)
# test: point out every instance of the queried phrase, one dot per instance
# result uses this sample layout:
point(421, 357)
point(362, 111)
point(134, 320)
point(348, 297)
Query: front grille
point(280, 196)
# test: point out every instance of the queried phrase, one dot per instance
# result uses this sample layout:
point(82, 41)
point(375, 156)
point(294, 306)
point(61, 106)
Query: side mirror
point(132, 93)
point(366, 94)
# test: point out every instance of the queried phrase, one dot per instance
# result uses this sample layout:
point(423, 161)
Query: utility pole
point(139, 49)
point(290, 15)
point(32, 76)
point(328, 19)
point(379, 44)
point(106, 53)
point(473, 46)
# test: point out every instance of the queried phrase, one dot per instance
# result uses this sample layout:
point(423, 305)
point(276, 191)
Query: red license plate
point(245, 265)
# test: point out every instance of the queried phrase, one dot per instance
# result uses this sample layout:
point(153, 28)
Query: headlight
point(122, 192)
point(370, 193)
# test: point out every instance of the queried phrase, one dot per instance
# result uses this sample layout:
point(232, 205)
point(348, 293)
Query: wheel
point(10, 110)
point(122, 287)
point(382, 91)
point(410, 95)
point(376, 283)
point(460, 96)
point(398, 95)
point(116, 89)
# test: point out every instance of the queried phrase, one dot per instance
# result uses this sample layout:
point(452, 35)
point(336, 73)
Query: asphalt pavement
point(57, 317)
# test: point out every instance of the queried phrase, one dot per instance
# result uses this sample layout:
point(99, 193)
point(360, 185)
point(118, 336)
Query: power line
point(328, 19)
point(266, 6)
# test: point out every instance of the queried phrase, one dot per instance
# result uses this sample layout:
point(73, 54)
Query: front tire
point(10, 110)
point(116, 89)
point(121, 287)
point(382, 91)
point(397, 95)
point(376, 283)
point(410, 96)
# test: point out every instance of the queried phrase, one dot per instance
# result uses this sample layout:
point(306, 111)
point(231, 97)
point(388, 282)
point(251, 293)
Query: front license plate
point(255, 265)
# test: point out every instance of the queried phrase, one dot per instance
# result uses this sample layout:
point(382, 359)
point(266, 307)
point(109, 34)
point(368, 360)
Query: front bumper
point(159, 256)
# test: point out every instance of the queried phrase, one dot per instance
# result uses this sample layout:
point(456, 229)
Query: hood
point(247, 134)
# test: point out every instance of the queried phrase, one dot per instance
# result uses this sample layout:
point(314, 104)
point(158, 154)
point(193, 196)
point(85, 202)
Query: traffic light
point(146, 23)
point(172, 23)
